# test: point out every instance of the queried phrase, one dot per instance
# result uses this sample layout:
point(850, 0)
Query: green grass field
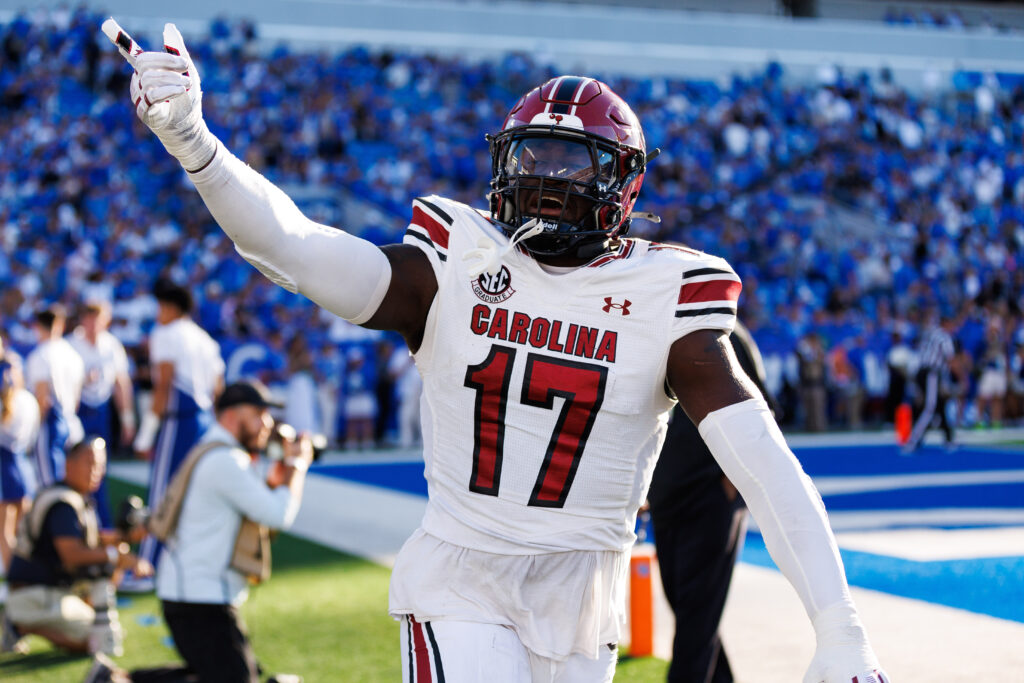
point(322, 615)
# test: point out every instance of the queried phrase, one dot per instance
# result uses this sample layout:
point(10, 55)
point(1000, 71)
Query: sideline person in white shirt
point(54, 373)
point(107, 387)
point(199, 592)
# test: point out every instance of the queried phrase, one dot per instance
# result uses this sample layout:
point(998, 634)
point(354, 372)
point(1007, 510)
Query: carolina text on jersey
point(554, 335)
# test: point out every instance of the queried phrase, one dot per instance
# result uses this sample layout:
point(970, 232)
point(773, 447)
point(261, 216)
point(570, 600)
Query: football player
point(552, 348)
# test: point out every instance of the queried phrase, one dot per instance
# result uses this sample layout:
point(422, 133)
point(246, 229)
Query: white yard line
point(931, 545)
point(832, 486)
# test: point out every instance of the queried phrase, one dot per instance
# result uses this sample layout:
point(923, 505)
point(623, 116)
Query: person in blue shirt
point(60, 544)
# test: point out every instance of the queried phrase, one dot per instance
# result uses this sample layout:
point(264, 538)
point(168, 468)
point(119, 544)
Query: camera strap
point(164, 520)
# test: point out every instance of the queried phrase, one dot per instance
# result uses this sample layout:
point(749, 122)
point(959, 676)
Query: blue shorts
point(13, 482)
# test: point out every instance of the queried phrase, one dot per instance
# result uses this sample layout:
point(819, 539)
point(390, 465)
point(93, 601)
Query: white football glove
point(167, 95)
point(844, 654)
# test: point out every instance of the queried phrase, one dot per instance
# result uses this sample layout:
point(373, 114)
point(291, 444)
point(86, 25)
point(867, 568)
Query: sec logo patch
point(494, 288)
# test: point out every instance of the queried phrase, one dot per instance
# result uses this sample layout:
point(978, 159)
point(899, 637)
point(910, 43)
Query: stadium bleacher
point(848, 204)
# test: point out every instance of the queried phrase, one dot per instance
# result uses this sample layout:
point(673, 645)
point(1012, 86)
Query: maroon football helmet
point(572, 154)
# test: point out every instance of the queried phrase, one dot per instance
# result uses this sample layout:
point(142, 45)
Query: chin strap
point(487, 255)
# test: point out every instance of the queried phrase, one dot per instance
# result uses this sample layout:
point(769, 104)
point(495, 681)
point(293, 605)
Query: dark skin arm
point(74, 553)
point(705, 374)
point(410, 294)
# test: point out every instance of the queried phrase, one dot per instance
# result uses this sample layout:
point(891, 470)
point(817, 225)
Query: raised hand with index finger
point(167, 95)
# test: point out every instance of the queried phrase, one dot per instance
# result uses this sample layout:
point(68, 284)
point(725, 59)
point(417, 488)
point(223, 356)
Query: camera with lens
point(285, 433)
point(132, 513)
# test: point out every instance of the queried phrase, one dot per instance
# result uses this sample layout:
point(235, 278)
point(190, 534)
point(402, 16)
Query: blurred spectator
point(329, 368)
point(899, 361)
point(19, 426)
point(107, 393)
point(960, 370)
point(846, 383)
point(992, 383)
point(360, 401)
point(813, 396)
point(408, 387)
point(300, 404)
point(54, 373)
point(847, 199)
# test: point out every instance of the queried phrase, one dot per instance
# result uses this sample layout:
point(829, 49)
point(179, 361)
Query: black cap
point(251, 392)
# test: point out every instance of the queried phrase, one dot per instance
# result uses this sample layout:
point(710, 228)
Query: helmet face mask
point(565, 158)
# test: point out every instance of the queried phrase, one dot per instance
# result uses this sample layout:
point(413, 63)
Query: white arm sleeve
point(344, 274)
point(751, 450)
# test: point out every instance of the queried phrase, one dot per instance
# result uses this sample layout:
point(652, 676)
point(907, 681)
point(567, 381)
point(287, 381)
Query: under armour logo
point(556, 117)
point(622, 308)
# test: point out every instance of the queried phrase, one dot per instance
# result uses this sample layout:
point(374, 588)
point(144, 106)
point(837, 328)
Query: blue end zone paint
point(402, 476)
point(968, 496)
point(987, 586)
point(866, 460)
point(830, 461)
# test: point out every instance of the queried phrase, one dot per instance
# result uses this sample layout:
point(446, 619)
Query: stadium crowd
point(850, 207)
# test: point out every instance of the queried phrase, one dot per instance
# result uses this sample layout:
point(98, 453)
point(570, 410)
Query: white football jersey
point(545, 399)
point(198, 365)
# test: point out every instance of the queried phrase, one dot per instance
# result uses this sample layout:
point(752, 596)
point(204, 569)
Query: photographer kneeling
point(62, 567)
point(216, 499)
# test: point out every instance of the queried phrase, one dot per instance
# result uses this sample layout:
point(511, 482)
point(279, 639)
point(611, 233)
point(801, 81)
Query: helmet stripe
point(563, 92)
point(554, 90)
point(584, 82)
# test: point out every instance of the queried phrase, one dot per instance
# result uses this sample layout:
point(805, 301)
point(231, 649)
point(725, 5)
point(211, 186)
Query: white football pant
point(468, 652)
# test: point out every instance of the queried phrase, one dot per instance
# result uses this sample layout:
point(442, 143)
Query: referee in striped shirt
point(934, 354)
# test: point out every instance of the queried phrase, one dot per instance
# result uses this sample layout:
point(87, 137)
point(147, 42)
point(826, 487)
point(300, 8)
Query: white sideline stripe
point(381, 457)
point(851, 520)
point(930, 545)
point(917, 534)
point(132, 472)
point(834, 486)
point(357, 519)
point(353, 518)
